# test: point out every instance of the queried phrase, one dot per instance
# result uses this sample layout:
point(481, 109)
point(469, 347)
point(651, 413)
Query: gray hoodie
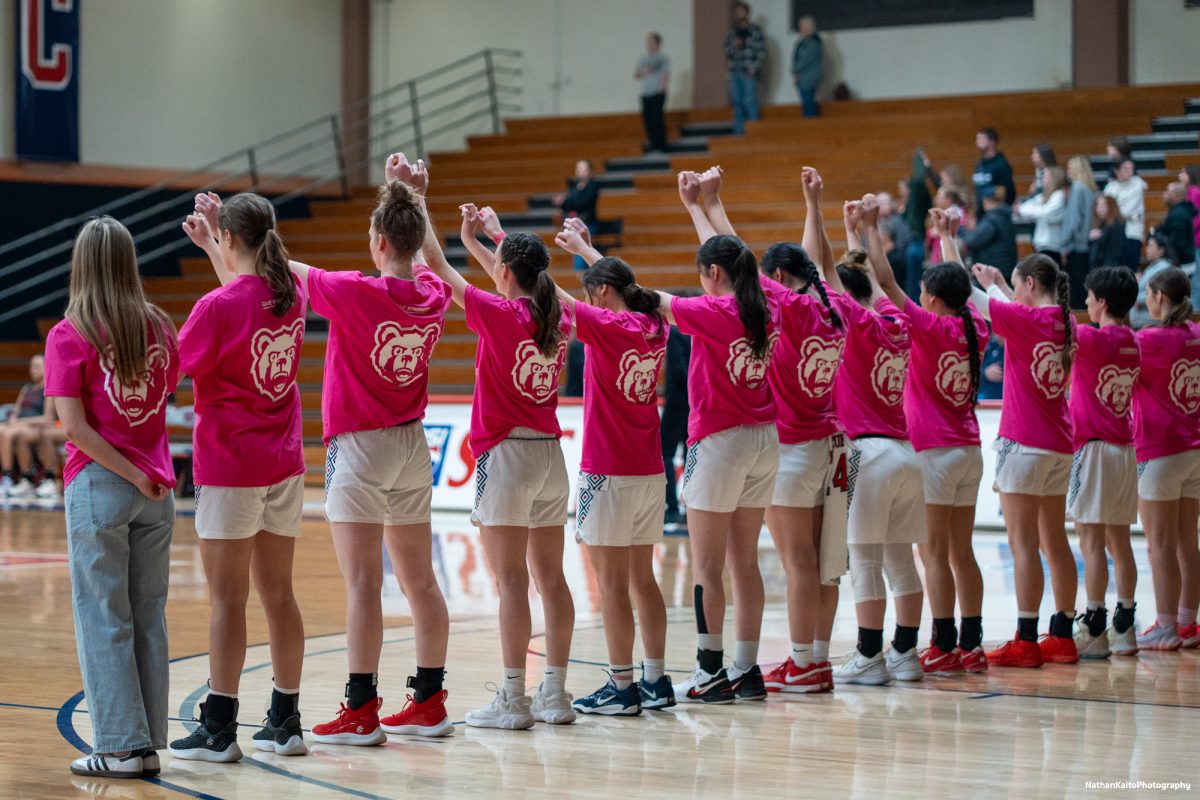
point(1077, 219)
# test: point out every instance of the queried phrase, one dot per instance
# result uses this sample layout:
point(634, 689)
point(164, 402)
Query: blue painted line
point(23, 705)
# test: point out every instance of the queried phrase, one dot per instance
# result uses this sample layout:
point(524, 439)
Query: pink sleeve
point(199, 348)
point(65, 361)
point(322, 290)
point(689, 313)
point(1006, 317)
point(479, 306)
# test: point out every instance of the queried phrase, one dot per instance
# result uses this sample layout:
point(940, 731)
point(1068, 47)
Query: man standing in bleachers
point(654, 71)
point(746, 51)
point(993, 169)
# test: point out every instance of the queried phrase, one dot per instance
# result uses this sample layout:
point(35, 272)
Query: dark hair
point(1174, 284)
point(793, 259)
point(950, 283)
point(1047, 274)
point(1164, 244)
point(1193, 173)
point(1122, 145)
point(656, 36)
point(991, 134)
point(1116, 286)
point(852, 269)
point(1122, 161)
point(250, 218)
point(741, 4)
point(731, 254)
point(528, 259)
point(616, 273)
point(954, 196)
point(398, 218)
point(1047, 154)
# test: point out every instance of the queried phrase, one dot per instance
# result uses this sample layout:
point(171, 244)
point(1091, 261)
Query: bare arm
point(197, 229)
point(851, 215)
point(881, 268)
point(816, 240)
point(472, 221)
point(710, 188)
point(946, 223)
point(664, 305)
point(689, 193)
point(85, 437)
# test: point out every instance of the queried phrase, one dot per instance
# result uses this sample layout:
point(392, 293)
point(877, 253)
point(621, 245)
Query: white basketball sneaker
point(507, 711)
point(904, 666)
point(554, 709)
point(1123, 644)
point(860, 669)
point(1159, 637)
point(1092, 646)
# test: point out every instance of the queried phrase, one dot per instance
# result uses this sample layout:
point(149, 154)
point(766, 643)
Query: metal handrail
point(408, 100)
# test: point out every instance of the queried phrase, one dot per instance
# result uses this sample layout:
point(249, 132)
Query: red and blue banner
point(48, 80)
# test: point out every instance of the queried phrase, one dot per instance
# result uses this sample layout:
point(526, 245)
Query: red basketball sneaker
point(973, 660)
point(788, 677)
point(421, 719)
point(936, 661)
point(1058, 649)
point(1190, 634)
point(359, 726)
point(1017, 653)
point(826, 676)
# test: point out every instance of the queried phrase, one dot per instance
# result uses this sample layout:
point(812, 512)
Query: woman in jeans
point(111, 364)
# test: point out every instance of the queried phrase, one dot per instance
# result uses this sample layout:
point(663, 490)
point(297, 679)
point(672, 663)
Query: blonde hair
point(107, 304)
point(1083, 172)
point(1052, 180)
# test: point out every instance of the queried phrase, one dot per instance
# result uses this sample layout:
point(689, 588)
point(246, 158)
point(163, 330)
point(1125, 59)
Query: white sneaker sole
point(657, 703)
point(610, 710)
point(555, 717)
point(863, 679)
point(443, 728)
point(227, 756)
point(508, 722)
point(106, 773)
point(795, 688)
point(908, 676)
point(294, 746)
point(358, 739)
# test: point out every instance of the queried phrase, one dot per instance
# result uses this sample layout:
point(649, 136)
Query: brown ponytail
point(528, 259)
point(731, 255)
point(616, 273)
point(1047, 274)
point(1177, 289)
point(250, 218)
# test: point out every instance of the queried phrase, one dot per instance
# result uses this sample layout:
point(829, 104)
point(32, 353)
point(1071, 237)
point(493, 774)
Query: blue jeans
point(808, 100)
point(119, 544)
point(743, 92)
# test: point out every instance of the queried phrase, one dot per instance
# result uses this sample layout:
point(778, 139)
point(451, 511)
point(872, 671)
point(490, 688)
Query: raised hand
point(689, 188)
point(470, 220)
point(569, 239)
point(954, 217)
point(197, 229)
point(490, 223)
point(710, 183)
point(208, 205)
point(419, 179)
point(987, 276)
point(870, 209)
point(396, 168)
point(941, 222)
point(852, 213)
point(810, 181)
point(577, 225)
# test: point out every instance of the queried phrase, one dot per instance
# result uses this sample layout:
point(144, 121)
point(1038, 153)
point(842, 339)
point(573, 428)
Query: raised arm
point(851, 216)
point(710, 191)
point(689, 193)
point(432, 249)
point(664, 306)
point(816, 241)
point(472, 221)
point(574, 238)
point(880, 266)
point(946, 222)
point(197, 229)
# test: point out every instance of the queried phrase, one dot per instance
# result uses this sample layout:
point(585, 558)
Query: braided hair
point(793, 259)
point(949, 282)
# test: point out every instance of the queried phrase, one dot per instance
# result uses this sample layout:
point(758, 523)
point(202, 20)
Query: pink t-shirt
point(243, 362)
point(869, 391)
point(382, 333)
point(623, 356)
point(938, 402)
point(515, 385)
point(1034, 411)
point(1103, 375)
point(1166, 397)
point(132, 419)
point(727, 384)
point(804, 365)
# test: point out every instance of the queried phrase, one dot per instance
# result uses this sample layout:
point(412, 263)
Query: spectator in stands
point(49, 440)
point(654, 71)
point(1118, 149)
point(1129, 191)
point(1189, 176)
point(895, 234)
point(1178, 227)
point(1159, 256)
point(806, 65)
point(916, 209)
point(580, 200)
point(675, 412)
point(1077, 226)
point(994, 240)
point(1046, 210)
point(1042, 157)
point(746, 52)
point(993, 169)
point(19, 432)
point(1107, 236)
point(947, 199)
point(991, 378)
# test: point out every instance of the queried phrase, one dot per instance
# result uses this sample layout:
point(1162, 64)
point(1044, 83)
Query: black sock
point(1062, 625)
point(49, 474)
point(283, 706)
point(905, 638)
point(30, 475)
point(945, 635)
point(710, 660)
point(219, 711)
point(970, 633)
point(1096, 620)
point(426, 683)
point(870, 641)
point(1123, 618)
point(1027, 629)
point(360, 689)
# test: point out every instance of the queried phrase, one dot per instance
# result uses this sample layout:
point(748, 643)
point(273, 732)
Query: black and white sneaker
point(704, 687)
point(285, 739)
point(151, 766)
point(109, 766)
point(208, 745)
point(748, 685)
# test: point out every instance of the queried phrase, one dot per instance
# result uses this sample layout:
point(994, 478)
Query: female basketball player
point(949, 338)
point(733, 451)
point(1166, 435)
point(241, 346)
point(1103, 496)
point(1034, 463)
point(887, 513)
point(379, 482)
point(521, 488)
point(111, 364)
point(621, 481)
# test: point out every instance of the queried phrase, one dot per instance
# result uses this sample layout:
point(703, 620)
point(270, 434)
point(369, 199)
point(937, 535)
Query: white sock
point(1125, 602)
point(745, 655)
point(710, 641)
point(802, 654)
point(284, 691)
point(622, 675)
point(820, 651)
point(1166, 621)
point(514, 681)
point(653, 669)
point(555, 680)
point(1186, 617)
point(222, 694)
point(1092, 605)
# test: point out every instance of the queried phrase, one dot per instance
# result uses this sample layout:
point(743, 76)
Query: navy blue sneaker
point(748, 685)
point(658, 695)
point(611, 701)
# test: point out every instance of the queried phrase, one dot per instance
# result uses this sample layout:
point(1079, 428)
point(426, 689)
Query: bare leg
point(968, 579)
point(935, 555)
point(227, 569)
point(651, 611)
point(411, 550)
point(271, 567)
point(1021, 519)
point(1052, 536)
point(359, 553)
point(505, 551)
point(1116, 538)
point(1095, 561)
point(792, 529)
point(545, 553)
point(612, 574)
point(708, 534)
point(742, 551)
point(1189, 555)
point(1160, 518)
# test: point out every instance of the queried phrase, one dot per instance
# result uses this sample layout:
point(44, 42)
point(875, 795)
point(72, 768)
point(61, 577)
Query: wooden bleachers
point(859, 146)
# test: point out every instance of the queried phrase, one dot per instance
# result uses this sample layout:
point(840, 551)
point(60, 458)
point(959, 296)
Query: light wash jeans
point(743, 92)
point(119, 543)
